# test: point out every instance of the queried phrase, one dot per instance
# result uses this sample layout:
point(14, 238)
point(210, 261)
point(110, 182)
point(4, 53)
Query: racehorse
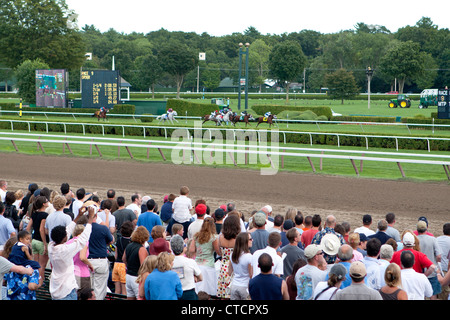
point(100, 114)
point(238, 118)
point(170, 116)
point(213, 117)
point(268, 120)
point(226, 117)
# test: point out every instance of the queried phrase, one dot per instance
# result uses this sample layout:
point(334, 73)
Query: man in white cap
point(358, 290)
point(310, 275)
point(330, 223)
point(421, 261)
point(330, 244)
point(269, 220)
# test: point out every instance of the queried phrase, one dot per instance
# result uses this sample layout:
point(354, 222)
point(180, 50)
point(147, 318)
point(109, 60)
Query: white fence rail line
point(194, 142)
point(234, 130)
point(134, 116)
point(192, 147)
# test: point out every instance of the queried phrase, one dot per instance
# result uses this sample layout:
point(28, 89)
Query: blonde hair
point(354, 240)
point(164, 261)
point(392, 275)
point(79, 228)
point(19, 194)
point(59, 202)
point(290, 214)
point(148, 265)
point(53, 195)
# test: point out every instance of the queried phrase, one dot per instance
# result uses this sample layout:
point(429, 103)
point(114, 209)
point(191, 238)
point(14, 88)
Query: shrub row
point(276, 109)
point(427, 121)
point(118, 109)
point(363, 119)
point(193, 109)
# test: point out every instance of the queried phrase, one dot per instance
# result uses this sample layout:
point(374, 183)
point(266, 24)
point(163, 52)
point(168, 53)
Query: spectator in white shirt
point(63, 285)
point(182, 206)
point(415, 284)
point(135, 205)
point(3, 189)
point(274, 241)
point(367, 221)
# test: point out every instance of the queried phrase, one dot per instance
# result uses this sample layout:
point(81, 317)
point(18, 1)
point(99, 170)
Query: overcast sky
point(219, 18)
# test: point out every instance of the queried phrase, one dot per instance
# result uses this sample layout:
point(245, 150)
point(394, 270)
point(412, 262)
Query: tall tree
point(338, 50)
point(403, 60)
point(39, 29)
point(26, 78)
point(341, 84)
point(258, 60)
point(211, 76)
point(177, 59)
point(286, 63)
point(149, 72)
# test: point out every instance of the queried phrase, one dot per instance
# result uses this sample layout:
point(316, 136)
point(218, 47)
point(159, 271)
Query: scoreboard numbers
point(100, 88)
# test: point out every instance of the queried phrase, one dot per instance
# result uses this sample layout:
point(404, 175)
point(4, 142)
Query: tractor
point(402, 101)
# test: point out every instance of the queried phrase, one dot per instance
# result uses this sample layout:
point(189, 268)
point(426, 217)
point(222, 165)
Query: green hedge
point(193, 109)
point(118, 109)
point(123, 109)
point(147, 119)
point(276, 109)
point(426, 121)
point(364, 119)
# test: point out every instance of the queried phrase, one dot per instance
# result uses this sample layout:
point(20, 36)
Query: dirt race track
point(347, 198)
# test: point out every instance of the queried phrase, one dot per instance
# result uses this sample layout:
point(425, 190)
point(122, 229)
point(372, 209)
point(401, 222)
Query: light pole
point(369, 73)
point(201, 57)
point(243, 81)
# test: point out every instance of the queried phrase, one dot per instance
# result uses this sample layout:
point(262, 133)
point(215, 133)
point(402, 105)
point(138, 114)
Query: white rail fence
point(232, 130)
point(191, 148)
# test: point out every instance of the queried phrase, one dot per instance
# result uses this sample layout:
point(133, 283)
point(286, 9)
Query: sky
point(218, 18)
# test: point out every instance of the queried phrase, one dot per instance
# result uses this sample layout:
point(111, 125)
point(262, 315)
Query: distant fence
point(191, 147)
point(186, 116)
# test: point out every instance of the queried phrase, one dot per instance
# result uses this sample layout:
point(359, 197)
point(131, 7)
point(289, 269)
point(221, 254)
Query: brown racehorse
point(100, 114)
point(208, 117)
point(237, 118)
point(268, 120)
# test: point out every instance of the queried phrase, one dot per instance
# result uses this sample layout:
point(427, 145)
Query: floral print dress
point(224, 279)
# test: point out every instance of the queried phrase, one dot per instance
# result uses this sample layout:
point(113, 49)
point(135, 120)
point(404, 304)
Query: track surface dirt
point(347, 198)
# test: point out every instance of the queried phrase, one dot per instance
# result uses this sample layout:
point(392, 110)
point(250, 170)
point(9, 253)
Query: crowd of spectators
point(185, 250)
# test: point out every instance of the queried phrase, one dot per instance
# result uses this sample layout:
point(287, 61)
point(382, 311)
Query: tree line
point(46, 34)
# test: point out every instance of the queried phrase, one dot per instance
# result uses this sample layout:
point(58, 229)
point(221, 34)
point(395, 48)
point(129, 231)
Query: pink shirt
point(81, 269)
point(357, 256)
